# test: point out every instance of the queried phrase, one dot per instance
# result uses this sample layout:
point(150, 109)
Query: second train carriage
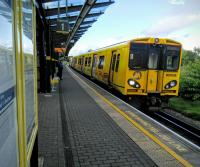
point(148, 67)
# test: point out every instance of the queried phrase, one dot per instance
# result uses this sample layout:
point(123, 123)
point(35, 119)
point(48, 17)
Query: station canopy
point(70, 19)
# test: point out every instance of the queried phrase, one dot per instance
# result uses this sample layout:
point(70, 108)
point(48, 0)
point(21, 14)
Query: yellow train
point(147, 67)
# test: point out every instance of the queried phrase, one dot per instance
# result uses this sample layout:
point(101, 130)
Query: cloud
point(170, 24)
point(189, 40)
point(177, 2)
point(81, 47)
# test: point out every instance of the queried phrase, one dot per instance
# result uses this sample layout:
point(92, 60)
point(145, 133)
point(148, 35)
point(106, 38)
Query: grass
point(186, 107)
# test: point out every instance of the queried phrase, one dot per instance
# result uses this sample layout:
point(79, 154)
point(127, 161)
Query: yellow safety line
point(154, 138)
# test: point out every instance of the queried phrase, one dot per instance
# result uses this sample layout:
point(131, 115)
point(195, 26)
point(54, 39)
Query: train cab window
point(86, 61)
point(101, 62)
point(138, 55)
point(154, 54)
point(117, 63)
point(89, 61)
point(172, 57)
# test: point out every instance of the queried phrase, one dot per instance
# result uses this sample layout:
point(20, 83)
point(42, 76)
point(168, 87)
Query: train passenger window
point(101, 62)
point(138, 56)
point(113, 62)
point(89, 61)
point(117, 63)
point(172, 57)
point(86, 60)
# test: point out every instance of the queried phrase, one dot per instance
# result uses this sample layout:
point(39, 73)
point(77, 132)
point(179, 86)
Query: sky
point(129, 19)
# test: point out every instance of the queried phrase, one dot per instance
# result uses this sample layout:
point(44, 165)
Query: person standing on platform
point(60, 69)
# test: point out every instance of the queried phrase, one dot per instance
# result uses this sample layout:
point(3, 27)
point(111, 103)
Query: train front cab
point(153, 68)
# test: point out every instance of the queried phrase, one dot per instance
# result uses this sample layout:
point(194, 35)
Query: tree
point(197, 51)
point(188, 57)
point(190, 74)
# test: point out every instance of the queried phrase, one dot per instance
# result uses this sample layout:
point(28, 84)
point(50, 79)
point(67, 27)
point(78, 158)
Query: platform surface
point(81, 124)
point(96, 140)
point(50, 138)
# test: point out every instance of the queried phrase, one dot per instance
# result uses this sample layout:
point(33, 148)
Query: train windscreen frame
point(167, 56)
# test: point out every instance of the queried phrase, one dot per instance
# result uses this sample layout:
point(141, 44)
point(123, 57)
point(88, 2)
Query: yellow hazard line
point(143, 130)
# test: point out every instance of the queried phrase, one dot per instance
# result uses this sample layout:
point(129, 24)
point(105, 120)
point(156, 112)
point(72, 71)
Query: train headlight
point(171, 84)
point(133, 83)
point(137, 86)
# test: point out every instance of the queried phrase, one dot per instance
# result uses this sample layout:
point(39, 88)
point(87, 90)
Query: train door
point(153, 66)
point(112, 66)
point(94, 63)
point(82, 63)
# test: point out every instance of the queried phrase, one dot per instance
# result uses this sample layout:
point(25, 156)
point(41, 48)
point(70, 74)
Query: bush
point(190, 75)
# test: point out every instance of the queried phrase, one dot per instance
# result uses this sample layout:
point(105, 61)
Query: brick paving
point(50, 141)
point(95, 139)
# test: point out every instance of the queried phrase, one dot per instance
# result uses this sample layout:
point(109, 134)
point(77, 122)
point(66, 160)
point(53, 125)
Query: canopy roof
point(70, 19)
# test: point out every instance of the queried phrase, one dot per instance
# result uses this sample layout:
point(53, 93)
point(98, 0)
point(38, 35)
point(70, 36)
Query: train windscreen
point(172, 57)
point(138, 56)
point(154, 56)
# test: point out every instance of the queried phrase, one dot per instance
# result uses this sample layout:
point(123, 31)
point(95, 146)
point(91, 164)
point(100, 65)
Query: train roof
point(141, 40)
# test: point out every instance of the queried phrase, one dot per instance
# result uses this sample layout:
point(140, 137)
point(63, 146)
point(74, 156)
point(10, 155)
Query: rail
point(184, 128)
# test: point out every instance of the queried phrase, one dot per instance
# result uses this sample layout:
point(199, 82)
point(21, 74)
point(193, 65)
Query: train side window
point(86, 60)
point(101, 62)
point(117, 63)
point(82, 60)
point(113, 62)
point(89, 61)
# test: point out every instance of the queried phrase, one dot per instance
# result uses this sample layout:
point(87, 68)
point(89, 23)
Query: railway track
point(185, 129)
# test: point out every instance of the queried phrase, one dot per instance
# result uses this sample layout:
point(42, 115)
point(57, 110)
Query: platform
point(50, 138)
point(99, 129)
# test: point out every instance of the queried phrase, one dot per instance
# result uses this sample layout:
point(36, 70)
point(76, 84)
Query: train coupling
point(154, 104)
